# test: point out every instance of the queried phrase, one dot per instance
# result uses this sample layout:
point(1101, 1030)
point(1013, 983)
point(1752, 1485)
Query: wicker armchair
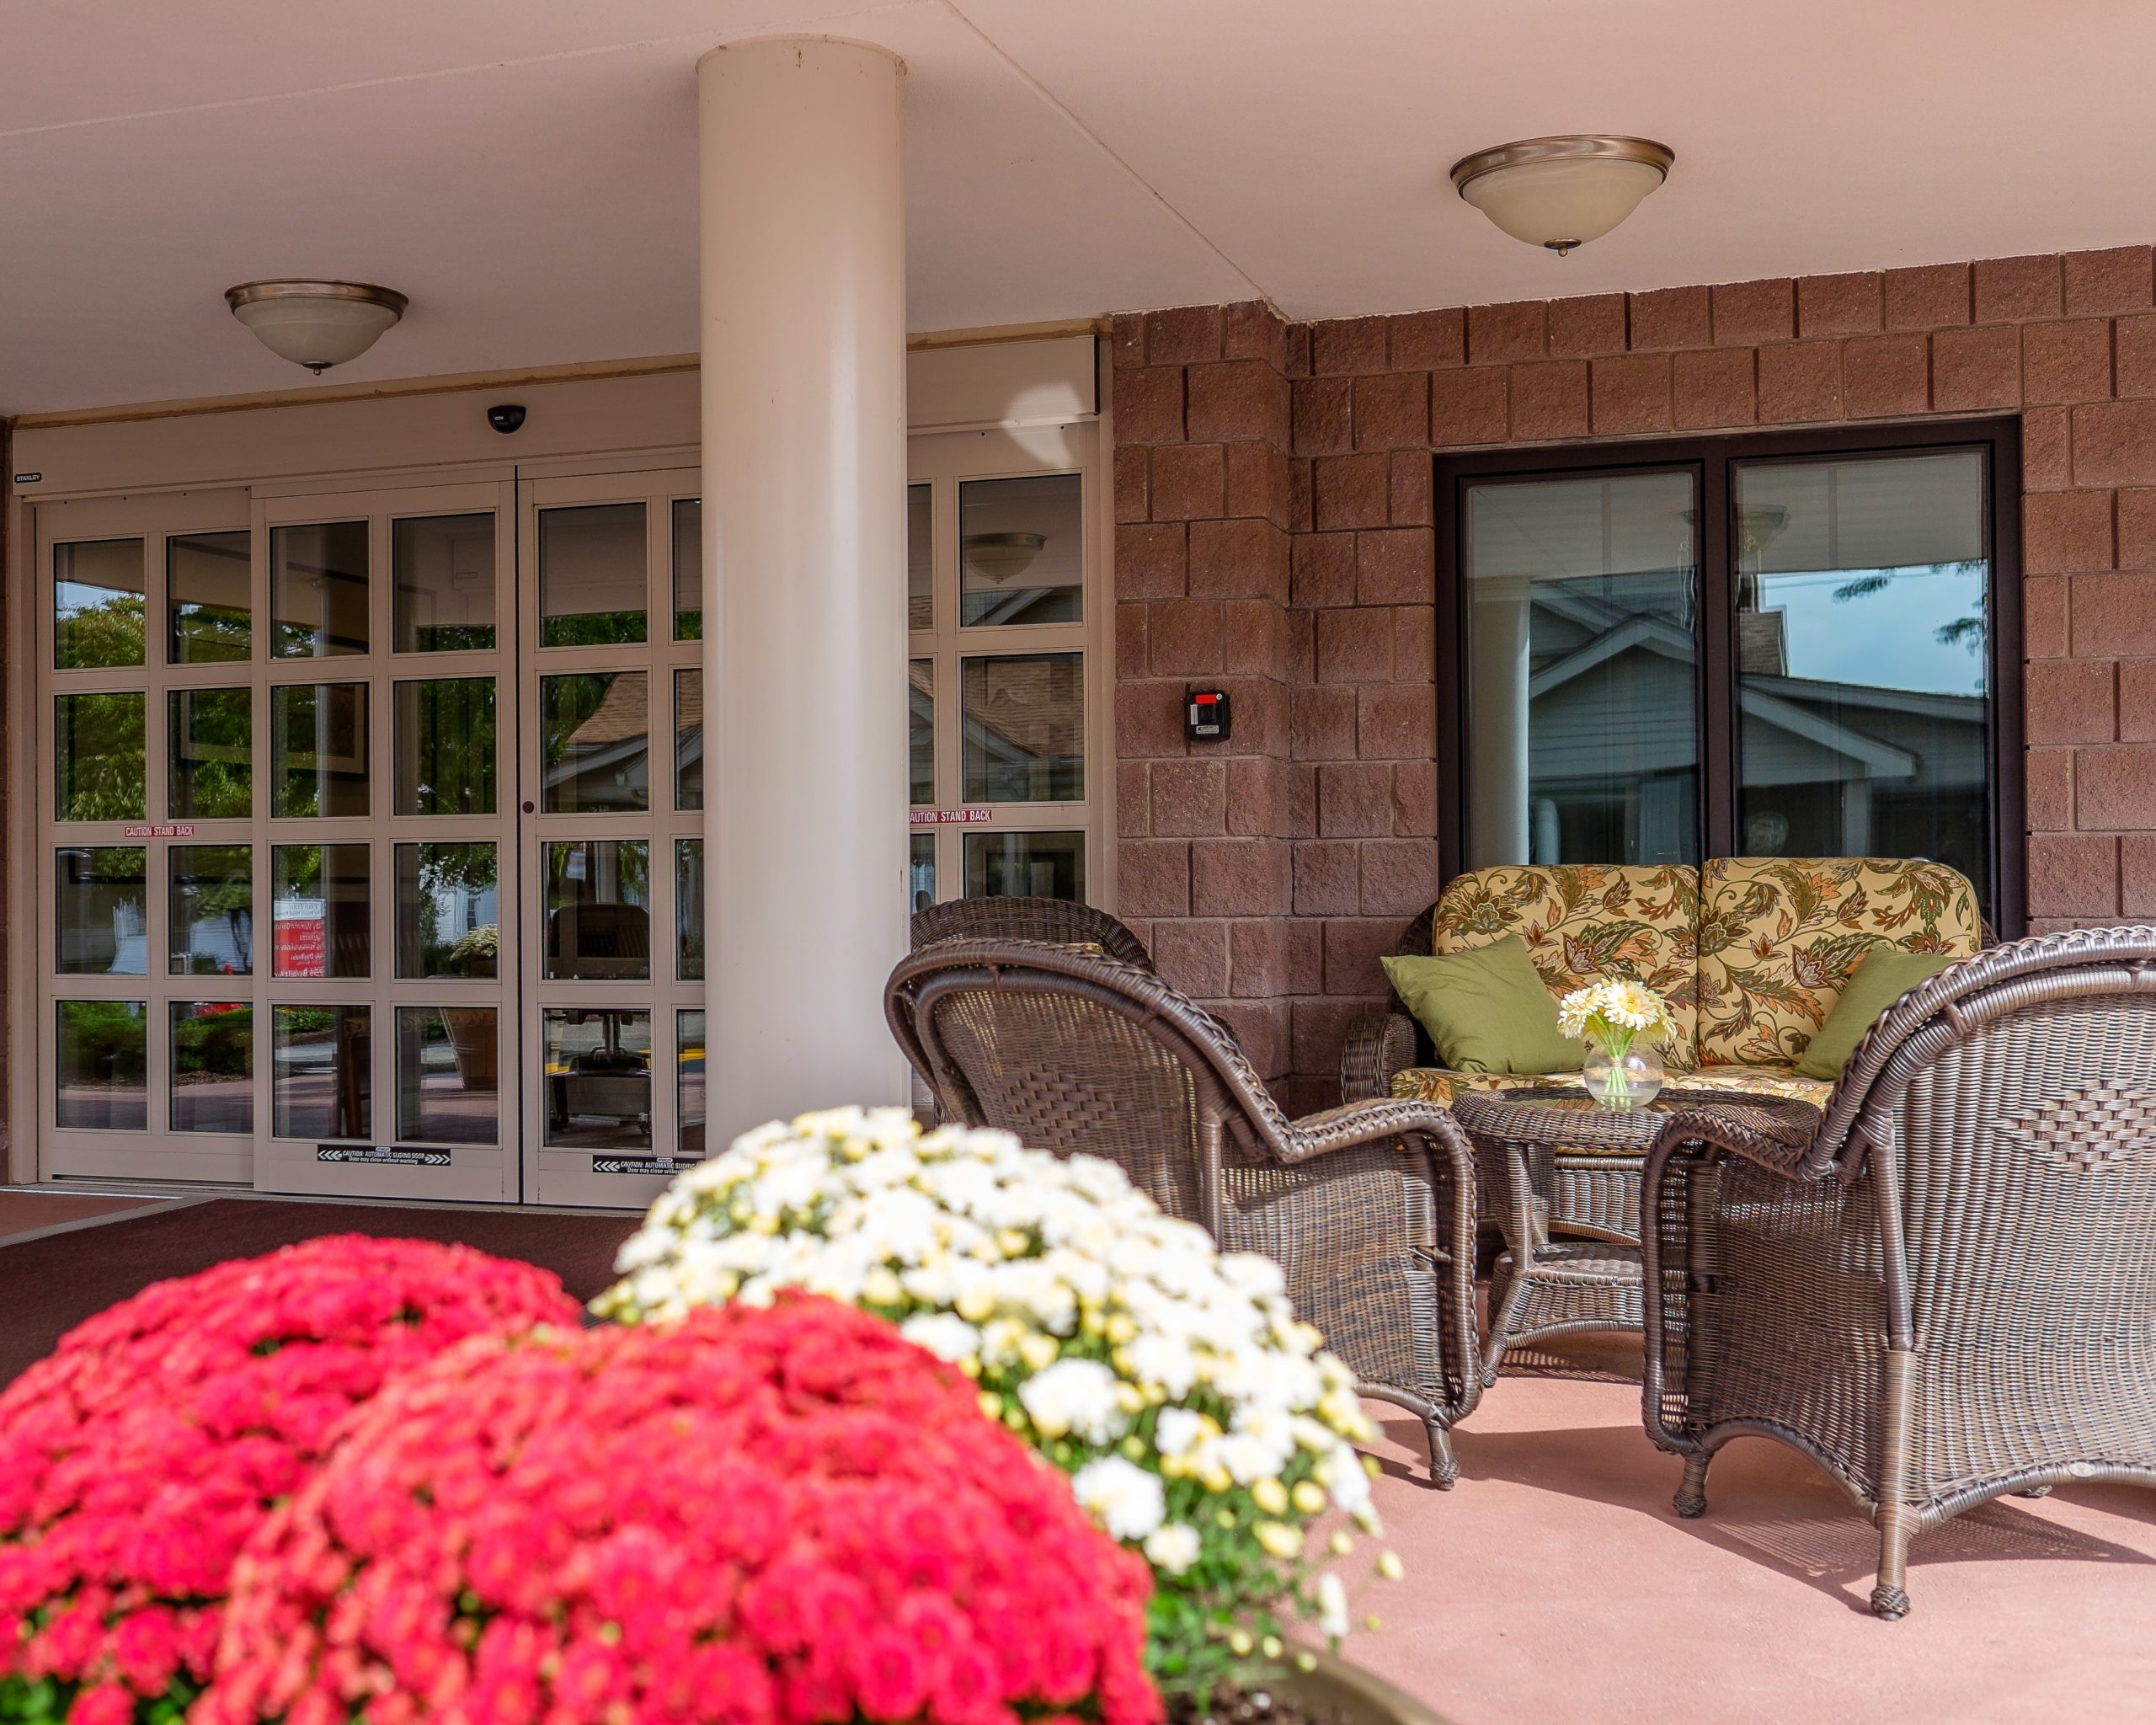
point(1369, 1209)
point(1057, 920)
point(1950, 1292)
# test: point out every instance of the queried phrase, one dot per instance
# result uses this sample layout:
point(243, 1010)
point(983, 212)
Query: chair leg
point(1444, 1470)
point(1889, 1599)
point(1691, 1499)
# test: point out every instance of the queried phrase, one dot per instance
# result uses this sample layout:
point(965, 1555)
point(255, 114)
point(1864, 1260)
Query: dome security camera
point(506, 417)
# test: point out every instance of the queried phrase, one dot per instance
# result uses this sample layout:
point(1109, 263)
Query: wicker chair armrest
point(1779, 1141)
point(1358, 1123)
point(1380, 1042)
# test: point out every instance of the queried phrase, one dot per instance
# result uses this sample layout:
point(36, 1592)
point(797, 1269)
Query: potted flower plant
point(1201, 1423)
point(1621, 1022)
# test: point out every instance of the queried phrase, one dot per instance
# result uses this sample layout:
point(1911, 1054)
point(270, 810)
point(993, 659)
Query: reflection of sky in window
point(1887, 638)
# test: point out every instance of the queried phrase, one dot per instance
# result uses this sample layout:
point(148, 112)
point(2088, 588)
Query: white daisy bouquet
point(1614, 1016)
point(1200, 1421)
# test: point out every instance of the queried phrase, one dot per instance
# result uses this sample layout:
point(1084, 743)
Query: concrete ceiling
point(525, 169)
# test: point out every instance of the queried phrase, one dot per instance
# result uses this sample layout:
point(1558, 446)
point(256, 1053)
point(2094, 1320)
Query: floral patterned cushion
point(1779, 935)
point(1434, 1084)
point(1584, 922)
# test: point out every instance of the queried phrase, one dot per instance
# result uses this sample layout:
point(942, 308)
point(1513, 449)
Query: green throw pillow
point(1486, 1010)
point(1882, 977)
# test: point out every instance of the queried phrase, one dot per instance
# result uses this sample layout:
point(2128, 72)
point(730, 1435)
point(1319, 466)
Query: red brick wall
point(1272, 497)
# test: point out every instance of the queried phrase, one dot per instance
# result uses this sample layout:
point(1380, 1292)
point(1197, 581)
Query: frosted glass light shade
point(1562, 192)
point(317, 324)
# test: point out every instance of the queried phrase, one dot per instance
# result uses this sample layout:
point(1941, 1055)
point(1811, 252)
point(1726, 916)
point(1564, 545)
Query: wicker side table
point(1561, 1176)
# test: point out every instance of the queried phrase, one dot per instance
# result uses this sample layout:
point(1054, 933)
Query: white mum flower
point(1172, 1547)
point(1331, 1607)
point(1121, 1496)
point(943, 1334)
point(1074, 1396)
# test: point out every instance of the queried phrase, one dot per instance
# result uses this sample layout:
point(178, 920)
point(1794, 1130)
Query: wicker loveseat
point(1751, 951)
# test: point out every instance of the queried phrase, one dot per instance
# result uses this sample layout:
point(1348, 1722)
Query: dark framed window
point(1781, 643)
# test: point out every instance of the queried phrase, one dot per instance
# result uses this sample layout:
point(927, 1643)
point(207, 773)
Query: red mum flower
point(137, 1459)
point(775, 1517)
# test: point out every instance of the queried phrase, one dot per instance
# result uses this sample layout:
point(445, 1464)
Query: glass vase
point(1623, 1079)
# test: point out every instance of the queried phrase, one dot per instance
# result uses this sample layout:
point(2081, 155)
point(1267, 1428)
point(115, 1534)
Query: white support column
point(803, 258)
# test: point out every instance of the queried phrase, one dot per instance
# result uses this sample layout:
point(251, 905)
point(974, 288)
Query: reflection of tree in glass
point(454, 868)
point(1963, 631)
point(593, 628)
point(455, 745)
point(106, 633)
point(212, 747)
point(100, 769)
point(219, 881)
point(216, 1039)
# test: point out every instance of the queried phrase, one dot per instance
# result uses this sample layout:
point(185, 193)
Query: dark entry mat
point(48, 1286)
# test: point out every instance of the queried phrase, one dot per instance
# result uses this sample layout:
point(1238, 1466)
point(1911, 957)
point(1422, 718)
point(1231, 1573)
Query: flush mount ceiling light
point(1002, 557)
point(317, 324)
point(1562, 192)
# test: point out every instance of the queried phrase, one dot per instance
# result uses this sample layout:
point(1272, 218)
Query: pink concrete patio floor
point(1554, 1583)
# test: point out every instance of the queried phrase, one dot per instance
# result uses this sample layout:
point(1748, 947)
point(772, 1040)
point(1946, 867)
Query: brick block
point(1354, 645)
point(1397, 566)
point(1261, 715)
point(1885, 375)
point(1190, 482)
point(1799, 380)
point(2048, 789)
point(1415, 643)
point(2137, 877)
point(1321, 1031)
point(2099, 283)
point(1182, 336)
point(1151, 560)
point(1261, 1031)
point(1298, 806)
point(1497, 335)
point(1410, 489)
point(1250, 329)
point(1254, 787)
point(1190, 798)
point(1351, 491)
point(1300, 509)
point(2114, 616)
point(1321, 570)
point(1341, 346)
point(2065, 532)
point(1715, 386)
point(1415, 799)
point(1152, 878)
point(2136, 529)
point(1258, 959)
point(1133, 483)
point(1392, 411)
point(1396, 722)
point(2067, 362)
point(1299, 350)
point(1148, 404)
point(2067, 701)
point(1260, 639)
point(1352, 951)
point(1670, 318)
point(1746, 313)
point(1238, 877)
point(1581, 328)
point(2134, 352)
point(1185, 640)
point(1467, 406)
point(2136, 699)
point(1839, 305)
point(1930, 297)
point(1257, 481)
point(1245, 558)
point(2114, 789)
point(2072, 875)
point(2115, 443)
point(1354, 800)
point(1427, 341)
point(1193, 956)
point(2044, 462)
point(1324, 415)
point(1399, 876)
point(2043, 616)
point(1149, 720)
point(1236, 398)
point(1134, 803)
point(1133, 649)
point(1548, 400)
point(1629, 394)
point(2015, 290)
point(1321, 724)
point(1975, 368)
point(1127, 339)
point(1326, 877)
point(1305, 957)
